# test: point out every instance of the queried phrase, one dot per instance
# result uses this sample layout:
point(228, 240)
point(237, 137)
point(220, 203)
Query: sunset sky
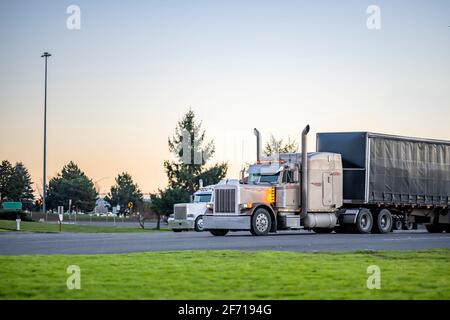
point(118, 86)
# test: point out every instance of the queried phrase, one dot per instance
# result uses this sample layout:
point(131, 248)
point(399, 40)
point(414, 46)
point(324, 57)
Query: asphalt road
point(76, 243)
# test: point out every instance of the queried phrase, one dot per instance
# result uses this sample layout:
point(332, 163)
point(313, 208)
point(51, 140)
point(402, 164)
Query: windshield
point(267, 174)
point(202, 198)
point(255, 178)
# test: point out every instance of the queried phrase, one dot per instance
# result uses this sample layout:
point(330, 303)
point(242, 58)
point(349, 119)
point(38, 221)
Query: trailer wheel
point(364, 221)
point(261, 222)
point(408, 225)
point(198, 225)
point(382, 221)
point(434, 228)
point(398, 224)
point(219, 232)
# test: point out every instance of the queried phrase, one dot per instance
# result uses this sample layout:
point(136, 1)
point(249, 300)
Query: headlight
point(210, 206)
point(244, 206)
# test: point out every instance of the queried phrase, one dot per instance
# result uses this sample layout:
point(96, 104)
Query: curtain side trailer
point(410, 177)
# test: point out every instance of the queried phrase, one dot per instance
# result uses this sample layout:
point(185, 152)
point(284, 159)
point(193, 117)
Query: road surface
point(92, 243)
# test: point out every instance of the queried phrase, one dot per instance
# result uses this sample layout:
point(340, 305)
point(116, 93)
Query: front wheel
point(219, 232)
point(199, 226)
point(261, 222)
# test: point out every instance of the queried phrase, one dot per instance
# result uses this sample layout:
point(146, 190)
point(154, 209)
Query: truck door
point(327, 191)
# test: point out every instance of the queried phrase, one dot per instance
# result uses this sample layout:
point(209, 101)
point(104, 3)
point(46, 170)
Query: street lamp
point(44, 209)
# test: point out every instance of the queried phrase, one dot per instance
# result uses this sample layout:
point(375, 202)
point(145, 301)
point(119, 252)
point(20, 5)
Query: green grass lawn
point(229, 275)
point(9, 225)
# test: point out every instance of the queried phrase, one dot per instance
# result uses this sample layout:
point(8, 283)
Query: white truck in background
point(189, 216)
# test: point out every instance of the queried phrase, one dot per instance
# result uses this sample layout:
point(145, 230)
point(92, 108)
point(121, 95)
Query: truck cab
point(268, 197)
point(189, 216)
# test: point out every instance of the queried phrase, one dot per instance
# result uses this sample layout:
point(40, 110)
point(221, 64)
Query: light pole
point(44, 209)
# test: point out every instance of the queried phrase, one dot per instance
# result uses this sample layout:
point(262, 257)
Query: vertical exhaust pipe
point(304, 187)
point(200, 183)
point(258, 145)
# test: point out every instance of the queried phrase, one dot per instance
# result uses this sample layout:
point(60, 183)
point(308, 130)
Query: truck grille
point(225, 200)
point(180, 212)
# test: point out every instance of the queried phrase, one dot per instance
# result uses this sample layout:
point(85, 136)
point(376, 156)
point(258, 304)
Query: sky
point(118, 85)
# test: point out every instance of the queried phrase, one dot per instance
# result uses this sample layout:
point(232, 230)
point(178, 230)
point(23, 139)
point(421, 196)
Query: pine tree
point(124, 192)
point(184, 173)
point(6, 172)
point(71, 184)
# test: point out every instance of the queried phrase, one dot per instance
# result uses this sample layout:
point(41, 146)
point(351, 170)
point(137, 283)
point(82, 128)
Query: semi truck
point(356, 182)
point(188, 216)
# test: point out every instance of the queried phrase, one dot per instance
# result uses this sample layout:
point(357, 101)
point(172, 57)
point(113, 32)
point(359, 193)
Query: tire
point(323, 230)
point(177, 230)
point(408, 225)
point(398, 224)
point(364, 222)
point(261, 222)
point(219, 232)
point(434, 228)
point(198, 225)
point(382, 221)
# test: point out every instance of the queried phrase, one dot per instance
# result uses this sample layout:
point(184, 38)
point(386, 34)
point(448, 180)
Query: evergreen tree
point(124, 192)
point(71, 183)
point(192, 151)
point(6, 172)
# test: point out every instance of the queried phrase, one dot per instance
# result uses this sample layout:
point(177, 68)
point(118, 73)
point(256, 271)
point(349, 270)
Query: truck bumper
point(226, 222)
point(180, 224)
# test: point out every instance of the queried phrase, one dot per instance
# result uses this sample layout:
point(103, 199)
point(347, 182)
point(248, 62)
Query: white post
point(18, 224)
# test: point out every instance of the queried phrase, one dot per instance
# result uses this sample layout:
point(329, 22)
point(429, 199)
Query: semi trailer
point(355, 182)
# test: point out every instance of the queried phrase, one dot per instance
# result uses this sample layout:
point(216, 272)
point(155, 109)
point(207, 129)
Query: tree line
point(183, 175)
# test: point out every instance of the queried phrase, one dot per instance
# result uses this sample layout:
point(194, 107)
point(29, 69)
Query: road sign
point(130, 205)
point(10, 205)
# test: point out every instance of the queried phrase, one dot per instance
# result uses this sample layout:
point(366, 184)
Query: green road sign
point(9, 205)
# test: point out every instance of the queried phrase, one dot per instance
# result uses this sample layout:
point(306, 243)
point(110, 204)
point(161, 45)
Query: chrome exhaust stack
point(258, 145)
point(304, 188)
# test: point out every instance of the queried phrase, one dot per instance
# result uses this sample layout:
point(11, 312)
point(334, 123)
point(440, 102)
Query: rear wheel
point(398, 224)
point(219, 232)
point(198, 226)
point(408, 225)
point(261, 222)
point(364, 221)
point(382, 221)
point(434, 228)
